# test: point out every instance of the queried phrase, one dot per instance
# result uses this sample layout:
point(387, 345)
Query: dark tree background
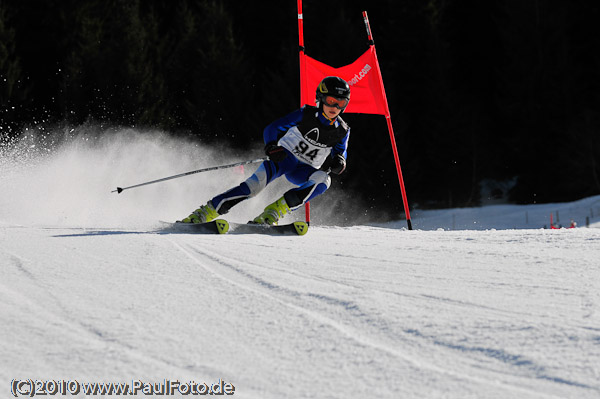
point(496, 89)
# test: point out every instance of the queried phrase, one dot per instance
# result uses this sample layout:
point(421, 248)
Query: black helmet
point(335, 87)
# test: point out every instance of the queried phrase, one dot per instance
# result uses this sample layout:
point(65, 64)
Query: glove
point(335, 164)
point(275, 152)
point(338, 164)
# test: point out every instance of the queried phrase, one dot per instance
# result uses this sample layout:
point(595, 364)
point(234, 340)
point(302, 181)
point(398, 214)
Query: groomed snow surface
point(472, 303)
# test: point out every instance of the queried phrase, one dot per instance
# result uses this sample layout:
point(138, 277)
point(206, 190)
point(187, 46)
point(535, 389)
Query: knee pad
point(320, 177)
point(257, 181)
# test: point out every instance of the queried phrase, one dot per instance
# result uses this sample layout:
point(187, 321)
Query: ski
point(295, 228)
point(217, 226)
point(222, 226)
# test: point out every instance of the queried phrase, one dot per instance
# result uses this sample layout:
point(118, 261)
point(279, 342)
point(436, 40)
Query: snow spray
point(64, 177)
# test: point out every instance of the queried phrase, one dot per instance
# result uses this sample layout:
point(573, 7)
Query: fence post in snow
point(587, 221)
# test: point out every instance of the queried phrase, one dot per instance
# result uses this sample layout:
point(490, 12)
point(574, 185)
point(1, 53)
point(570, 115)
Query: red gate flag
point(367, 94)
point(363, 76)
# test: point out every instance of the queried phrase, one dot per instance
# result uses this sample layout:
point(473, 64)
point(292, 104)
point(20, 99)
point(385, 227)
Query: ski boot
point(205, 213)
point(273, 212)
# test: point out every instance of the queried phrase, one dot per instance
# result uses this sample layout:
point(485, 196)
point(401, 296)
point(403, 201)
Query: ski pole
point(233, 165)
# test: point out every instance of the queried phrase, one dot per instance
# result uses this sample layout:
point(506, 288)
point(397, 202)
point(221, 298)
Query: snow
point(479, 302)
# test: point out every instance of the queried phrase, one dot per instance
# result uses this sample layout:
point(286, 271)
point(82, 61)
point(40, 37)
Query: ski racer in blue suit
point(304, 146)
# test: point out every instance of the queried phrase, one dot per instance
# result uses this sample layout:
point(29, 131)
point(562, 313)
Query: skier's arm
point(341, 147)
point(278, 128)
point(337, 161)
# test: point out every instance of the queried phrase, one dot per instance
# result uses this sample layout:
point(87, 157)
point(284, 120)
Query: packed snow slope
point(473, 303)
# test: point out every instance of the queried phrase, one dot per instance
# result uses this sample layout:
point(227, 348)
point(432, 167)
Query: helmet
point(335, 87)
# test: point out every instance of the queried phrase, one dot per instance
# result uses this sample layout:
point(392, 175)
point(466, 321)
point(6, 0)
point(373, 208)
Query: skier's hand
point(275, 153)
point(338, 164)
point(335, 164)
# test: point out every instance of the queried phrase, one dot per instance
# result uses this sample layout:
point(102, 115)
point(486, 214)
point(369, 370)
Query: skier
point(303, 146)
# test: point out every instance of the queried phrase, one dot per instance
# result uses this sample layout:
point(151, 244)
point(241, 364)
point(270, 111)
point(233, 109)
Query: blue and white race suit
point(309, 138)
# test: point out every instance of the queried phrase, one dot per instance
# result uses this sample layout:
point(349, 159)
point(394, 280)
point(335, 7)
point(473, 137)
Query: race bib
point(306, 148)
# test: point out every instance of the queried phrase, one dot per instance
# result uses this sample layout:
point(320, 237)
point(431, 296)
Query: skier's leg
point(318, 182)
point(222, 203)
point(265, 173)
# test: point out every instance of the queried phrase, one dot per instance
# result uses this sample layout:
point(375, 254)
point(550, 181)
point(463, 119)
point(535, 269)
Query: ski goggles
point(339, 103)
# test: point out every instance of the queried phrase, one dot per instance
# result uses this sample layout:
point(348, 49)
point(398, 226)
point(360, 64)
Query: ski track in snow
point(341, 312)
point(274, 293)
point(237, 272)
